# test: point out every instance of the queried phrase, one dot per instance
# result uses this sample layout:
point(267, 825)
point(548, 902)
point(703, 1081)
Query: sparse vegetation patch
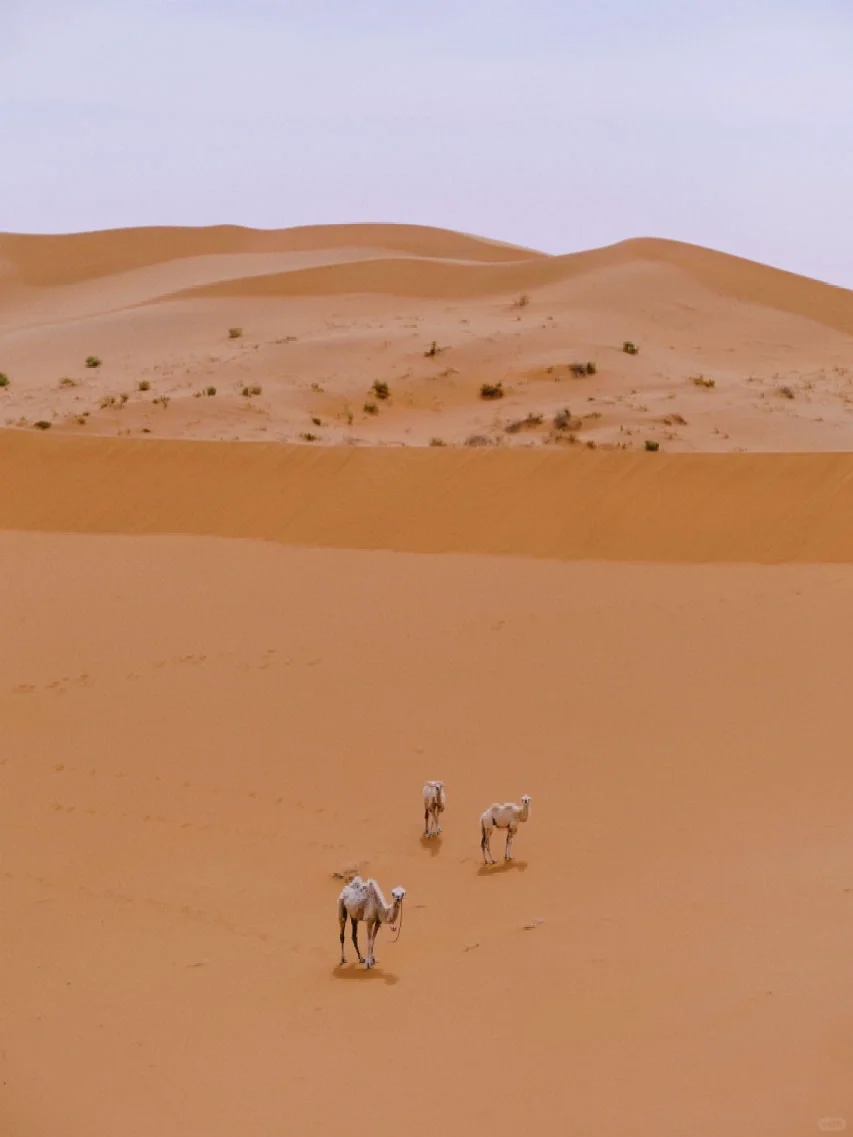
point(4, 380)
point(144, 385)
point(630, 348)
point(703, 381)
point(521, 301)
point(235, 333)
point(92, 361)
point(563, 420)
point(247, 392)
point(651, 444)
point(492, 391)
point(786, 392)
point(527, 423)
point(42, 424)
point(66, 382)
point(380, 389)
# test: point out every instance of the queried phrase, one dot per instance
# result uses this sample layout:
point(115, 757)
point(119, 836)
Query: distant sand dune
point(46, 260)
point(325, 312)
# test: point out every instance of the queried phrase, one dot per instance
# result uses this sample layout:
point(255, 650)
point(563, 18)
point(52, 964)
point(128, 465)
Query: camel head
point(398, 893)
point(525, 800)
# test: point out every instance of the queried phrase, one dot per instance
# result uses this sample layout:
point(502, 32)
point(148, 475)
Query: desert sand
point(230, 663)
point(732, 355)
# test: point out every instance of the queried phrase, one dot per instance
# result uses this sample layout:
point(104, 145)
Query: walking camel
point(363, 900)
point(435, 803)
point(502, 816)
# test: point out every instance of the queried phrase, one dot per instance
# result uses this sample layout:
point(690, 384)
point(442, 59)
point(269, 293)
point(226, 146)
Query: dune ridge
point(730, 276)
point(701, 508)
point(47, 260)
point(292, 331)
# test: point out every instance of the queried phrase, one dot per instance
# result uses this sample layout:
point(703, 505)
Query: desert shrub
point(591, 367)
point(92, 361)
point(161, 401)
point(122, 399)
point(4, 380)
point(703, 381)
point(235, 333)
point(630, 348)
point(380, 389)
point(247, 392)
point(371, 409)
point(308, 436)
point(42, 424)
point(66, 382)
point(478, 440)
point(210, 392)
point(316, 388)
point(108, 401)
point(437, 442)
point(581, 369)
point(652, 445)
point(521, 301)
point(492, 391)
point(523, 423)
point(563, 419)
point(316, 421)
point(144, 385)
point(786, 392)
point(433, 350)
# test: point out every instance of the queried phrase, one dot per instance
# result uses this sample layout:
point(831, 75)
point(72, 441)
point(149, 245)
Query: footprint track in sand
point(187, 911)
point(59, 686)
point(258, 797)
point(181, 823)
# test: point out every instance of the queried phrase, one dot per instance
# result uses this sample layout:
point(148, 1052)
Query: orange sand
point(229, 667)
point(326, 312)
point(198, 733)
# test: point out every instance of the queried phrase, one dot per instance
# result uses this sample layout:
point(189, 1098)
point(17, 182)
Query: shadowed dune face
point(198, 734)
point(733, 355)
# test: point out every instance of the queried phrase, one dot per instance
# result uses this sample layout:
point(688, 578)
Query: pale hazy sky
point(558, 124)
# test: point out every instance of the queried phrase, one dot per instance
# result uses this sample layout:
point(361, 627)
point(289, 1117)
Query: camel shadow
point(356, 971)
point(502, 867)
point(431, 843)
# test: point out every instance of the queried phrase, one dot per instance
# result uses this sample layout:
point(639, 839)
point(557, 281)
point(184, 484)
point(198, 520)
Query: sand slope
point(733, 355)
point(561, 505)
point(198, 733)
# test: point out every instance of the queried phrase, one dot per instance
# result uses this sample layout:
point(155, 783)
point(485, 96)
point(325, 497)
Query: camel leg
point(485, 845)
point(343, 923)
point(355, 939)
point(508, 849)
point(426, 821)
point(371, 937)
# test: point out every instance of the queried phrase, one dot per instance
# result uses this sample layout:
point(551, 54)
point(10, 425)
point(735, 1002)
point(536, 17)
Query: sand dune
point(229, 665)
point(199, 733)
point(734, 356)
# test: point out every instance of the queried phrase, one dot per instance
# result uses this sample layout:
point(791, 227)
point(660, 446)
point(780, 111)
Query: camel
point(435, 803)
point(502, 816)
point(363, 900)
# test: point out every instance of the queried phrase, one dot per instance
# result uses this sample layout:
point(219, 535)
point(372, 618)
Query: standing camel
point(502, 816)
point(435, 803)
point(363, 900)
